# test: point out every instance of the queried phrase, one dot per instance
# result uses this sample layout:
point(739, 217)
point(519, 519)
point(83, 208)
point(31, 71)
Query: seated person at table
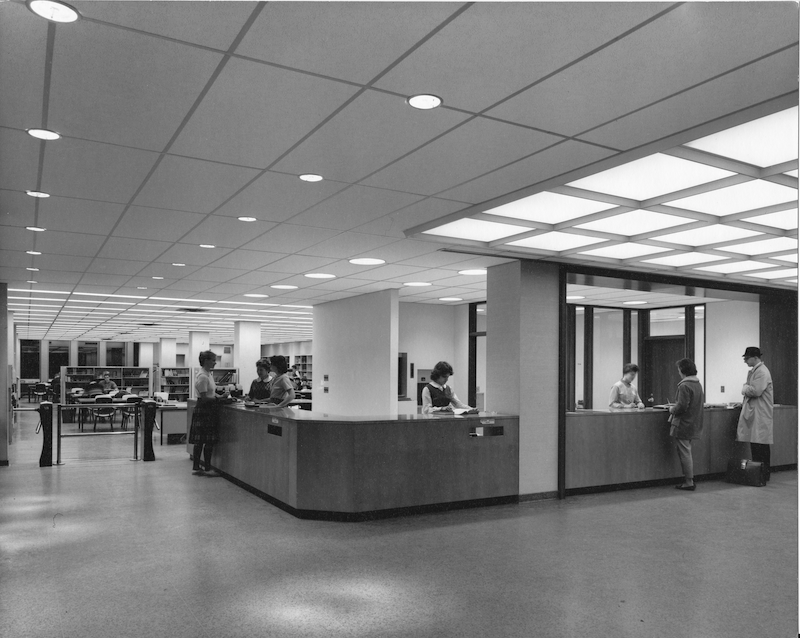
point(437, 396)
point(259, 389)
point(107, 384)
point(623, 392)
point(281, 389)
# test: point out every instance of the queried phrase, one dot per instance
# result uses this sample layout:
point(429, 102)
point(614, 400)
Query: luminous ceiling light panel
point(738, 199)
point(737, 266)
point(775, 274)
point(103, 294)
point(184, 300)
point(417, 283)
point(634, 303)
point(785, 219)
point(686, 259)
point(635, 222)
point(450, 299)
point(477, 230)
point(254, 294)
point(707, 235)
point(651, 176)
point(550, 208)
point(35, 229)
point(556, 241)
point(624, 251)
point(473, 271)
point(774, 245)
point(792, 173)
point(43, 134)
point(764, 142)
point(33, 269)
point(141, 287)
point(424, 101)
point(284, 287)
point(38, 194)
point(311, 177)
point(319, 275)
point(367, 261)
point(246, 219)
point(30, 281)
point(782, 258)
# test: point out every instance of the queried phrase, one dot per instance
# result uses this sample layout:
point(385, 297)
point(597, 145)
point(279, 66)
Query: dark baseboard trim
point(538, 496)
point(3, 463)
point(356, 517)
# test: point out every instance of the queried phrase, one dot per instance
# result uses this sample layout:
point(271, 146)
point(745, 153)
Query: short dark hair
point(205, 355)
point(441, 369)
point(687, 367)
point(279, 361)
point(263, 363)
point(630, 367)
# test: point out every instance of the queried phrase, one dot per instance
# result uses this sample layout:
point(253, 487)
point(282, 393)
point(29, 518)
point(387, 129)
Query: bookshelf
point(302, 366)
point(135, 380)
point(176, 383)
point(222, 376)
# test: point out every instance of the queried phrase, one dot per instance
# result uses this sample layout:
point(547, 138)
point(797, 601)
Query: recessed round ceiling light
point(53, 11)
point(367, 261)
point(37, 194)
point(634, 303)
point(207, 246)
point(450, 299)
point(575, 297)
point(474, 271)
point(43, 134)
point(311, 177)
point(158, 278)
point(417, 283)
point(35, 229)
point(247, 219)
point(254, 294)
point(33, 269)
point(424, 102)
point(284, 287)
point(180, 265)
point(319, 275)
point(141, 287)
point(33, 252)
point(31, 281)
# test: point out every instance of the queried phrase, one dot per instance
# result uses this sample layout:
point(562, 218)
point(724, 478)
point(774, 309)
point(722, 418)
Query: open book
point(465, 411)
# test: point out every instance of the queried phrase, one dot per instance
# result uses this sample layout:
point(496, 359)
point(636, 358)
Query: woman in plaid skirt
point(204, 432)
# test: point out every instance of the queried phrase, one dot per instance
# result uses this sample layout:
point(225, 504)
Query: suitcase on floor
point(744, 472)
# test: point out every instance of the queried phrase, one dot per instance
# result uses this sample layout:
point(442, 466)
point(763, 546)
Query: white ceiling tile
point(736, 266)
point(298, 264)
point(774, 274)
point(21, 173)
point(95, 279)
point(227, 128)
point(16, 238)
point(347, 245)
point(154, 223)
point(63, 243)
point(290, 238)
point(62, 262)
point(133, 249)
point(191, 255)
point(15, 259)
point(390, 271)
point(23, 44)
point(210, 273)
point(739, 198)
point(225, 232)
point(192, 185)
point(79, 215)
point(17, 209)
point(456, 160)
point(247, 259)
point(395, 224)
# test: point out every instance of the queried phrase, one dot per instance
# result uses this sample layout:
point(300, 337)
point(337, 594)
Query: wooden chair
point(103, 412)
point(41, 392)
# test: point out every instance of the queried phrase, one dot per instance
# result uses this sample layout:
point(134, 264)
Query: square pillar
point(246, 349)
point(167, 352)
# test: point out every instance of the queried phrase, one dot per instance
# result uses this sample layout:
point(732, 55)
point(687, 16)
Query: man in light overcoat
point(755, 421)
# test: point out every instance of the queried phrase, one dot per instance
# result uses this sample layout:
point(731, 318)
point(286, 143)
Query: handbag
point(745, 472)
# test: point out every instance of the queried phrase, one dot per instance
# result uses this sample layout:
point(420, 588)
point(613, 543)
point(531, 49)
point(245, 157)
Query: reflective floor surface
point(104, 546)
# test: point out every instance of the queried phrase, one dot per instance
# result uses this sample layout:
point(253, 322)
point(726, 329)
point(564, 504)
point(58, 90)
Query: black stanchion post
point(45, 411)
point(149, 421)
point(58, 437)
point(136, 434)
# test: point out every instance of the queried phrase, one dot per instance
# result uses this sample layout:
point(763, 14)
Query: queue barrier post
point(149, 408)
point(45, 411)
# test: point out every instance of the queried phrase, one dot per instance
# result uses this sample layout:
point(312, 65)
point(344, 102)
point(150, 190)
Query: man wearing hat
point(755, 421)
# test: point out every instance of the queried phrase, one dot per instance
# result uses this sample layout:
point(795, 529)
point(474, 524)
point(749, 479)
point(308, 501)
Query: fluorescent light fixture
point(141, 287)
point(319, 275)
point(49, 292)
point(284, 287)
point(763, 142)
point(254, 294)
point(556, 241)
point(473, 271)
point(635, 222)
point(785, 219)
point(367, 261)
point(633, 303)
point(184, 300)
point(651, 176)
point(739, 198)
point(774, 274)
point(550, 208)
point(685, 259)
point(286, 305)
point(774, 245)
point(35, 229)
point(207, 246)
point(624, 251)
point(33, 252)
point(574, 297)
point(39, 194)
point(246, 219)
point(53, 11)
point(450, 299)
point(736, 266)
point(712, 234)
point(43, 134)
point(103, 294)
point(417, 283)
point(311, 177)
point(477, 230)
point(424, 101)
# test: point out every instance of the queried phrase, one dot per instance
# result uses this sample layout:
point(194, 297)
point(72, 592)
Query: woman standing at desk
point(437, 396)
point(204, 432)
point(260, 388)
point(281, 389)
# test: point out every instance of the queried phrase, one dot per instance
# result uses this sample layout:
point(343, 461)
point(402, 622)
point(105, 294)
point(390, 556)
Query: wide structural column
point(198, 342)
point(354, 351)
point(168, 353)
point(522, 350)
point(246, 349)
point(146, 355)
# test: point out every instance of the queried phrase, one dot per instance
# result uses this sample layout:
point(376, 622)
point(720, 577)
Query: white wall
point(355, 344)
point(731, 326)
point(606, 356)
point(289, 349)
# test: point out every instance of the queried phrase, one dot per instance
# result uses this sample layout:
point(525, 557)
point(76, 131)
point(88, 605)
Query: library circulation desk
point(330, 467)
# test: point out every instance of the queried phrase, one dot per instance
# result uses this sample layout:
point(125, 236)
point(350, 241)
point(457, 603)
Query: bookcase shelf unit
point(302, 366)
point(136, 380)
point(222, 377)
point(176, 383)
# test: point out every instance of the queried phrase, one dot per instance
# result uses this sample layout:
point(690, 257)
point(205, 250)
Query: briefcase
point(744, 472)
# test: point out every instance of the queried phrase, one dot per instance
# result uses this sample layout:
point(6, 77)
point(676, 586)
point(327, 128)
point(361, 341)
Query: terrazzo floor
point(103, 546)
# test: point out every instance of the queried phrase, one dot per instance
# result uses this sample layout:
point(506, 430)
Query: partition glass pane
point(579, 403)
point(115, 353)
point(87, 353)
point(29, 359)
point(59, 356)
point(607, 354)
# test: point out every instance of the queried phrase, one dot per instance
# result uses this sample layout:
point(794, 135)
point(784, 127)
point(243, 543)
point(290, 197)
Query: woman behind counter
point(437, 396)
point(623, 393)
point(260, 387)
point(204, 431)
point(281, 388)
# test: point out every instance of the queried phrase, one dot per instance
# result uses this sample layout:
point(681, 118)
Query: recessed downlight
point(43, 134)
point(473, 271)
point(207, 246)
point(141, 287)
point(179, 265)
point(246, 219)
point(367, 261)
point(417, 283)
point(634, 303)
point(319, 275)
point(33, 269)
point(35, 229)
point(31, 281)
point(311, 177)
point(53, 11)
point(33, 252)
point(255, 294)
point(424, 101)
point(38, 194)
point(284, 287)
point(158, 277)
point(450, 299)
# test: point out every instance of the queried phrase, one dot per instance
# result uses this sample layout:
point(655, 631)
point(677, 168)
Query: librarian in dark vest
point(437, 396)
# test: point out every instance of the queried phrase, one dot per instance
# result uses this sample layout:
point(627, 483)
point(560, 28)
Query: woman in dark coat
point(687, 419)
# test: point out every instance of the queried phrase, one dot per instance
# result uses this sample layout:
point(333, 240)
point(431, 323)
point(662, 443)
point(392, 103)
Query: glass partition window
point(115, 353)
point(607, 354)
point(87, 353)
point(29, 359)
point(58, 356)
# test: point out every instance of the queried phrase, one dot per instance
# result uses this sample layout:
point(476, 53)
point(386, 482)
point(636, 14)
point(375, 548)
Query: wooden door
point(660, 374)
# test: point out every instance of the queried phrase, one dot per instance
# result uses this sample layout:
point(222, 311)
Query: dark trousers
point(761, 453)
